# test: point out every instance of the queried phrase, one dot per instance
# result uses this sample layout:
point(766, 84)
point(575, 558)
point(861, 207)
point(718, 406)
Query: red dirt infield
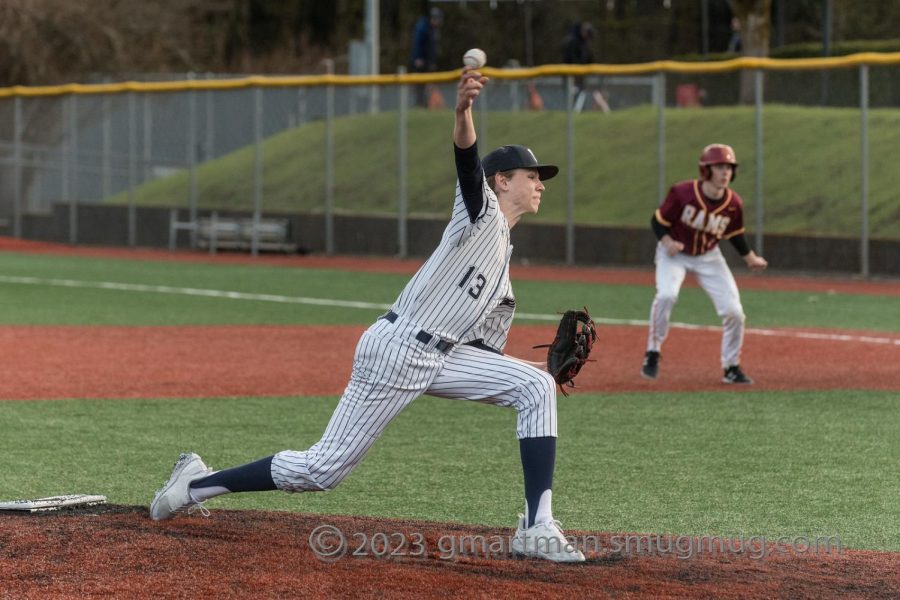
point(116, 551)
point(238, 360)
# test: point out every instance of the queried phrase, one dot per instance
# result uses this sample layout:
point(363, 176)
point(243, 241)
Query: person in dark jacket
point(425, 45)
point(576, 50)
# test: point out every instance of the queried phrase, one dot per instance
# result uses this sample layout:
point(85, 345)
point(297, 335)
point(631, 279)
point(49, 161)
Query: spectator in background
point(577, 46)
point(734, 44)
point(425, 45)
point(577, 51)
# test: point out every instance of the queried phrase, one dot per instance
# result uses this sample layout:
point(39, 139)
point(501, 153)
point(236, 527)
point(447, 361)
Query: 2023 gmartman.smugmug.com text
point(329, 543)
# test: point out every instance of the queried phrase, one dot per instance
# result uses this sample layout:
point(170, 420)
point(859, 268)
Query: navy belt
point(423, 336)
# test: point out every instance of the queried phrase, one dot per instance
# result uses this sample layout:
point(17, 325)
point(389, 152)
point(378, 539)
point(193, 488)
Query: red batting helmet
point(717, 154)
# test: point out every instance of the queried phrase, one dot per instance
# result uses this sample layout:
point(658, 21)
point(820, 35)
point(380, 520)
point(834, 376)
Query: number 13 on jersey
point(477, 283)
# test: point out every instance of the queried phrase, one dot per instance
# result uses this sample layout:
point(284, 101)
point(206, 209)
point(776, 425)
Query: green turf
point(735, 463)
point(749, 463)
point(47, 304)
point(615, 165)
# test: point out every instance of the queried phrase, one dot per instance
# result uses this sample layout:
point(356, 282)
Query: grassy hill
point(811, 165)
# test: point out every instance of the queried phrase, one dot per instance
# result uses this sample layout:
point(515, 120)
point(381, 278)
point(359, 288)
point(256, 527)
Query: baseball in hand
point(475, 58)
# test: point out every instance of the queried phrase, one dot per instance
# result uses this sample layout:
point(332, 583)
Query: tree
point(755, 18)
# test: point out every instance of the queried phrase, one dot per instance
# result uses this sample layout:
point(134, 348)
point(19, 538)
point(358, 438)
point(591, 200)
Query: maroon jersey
point(699, 222)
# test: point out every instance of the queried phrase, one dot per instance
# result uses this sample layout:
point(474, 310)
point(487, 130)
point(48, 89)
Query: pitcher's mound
point(117, 551)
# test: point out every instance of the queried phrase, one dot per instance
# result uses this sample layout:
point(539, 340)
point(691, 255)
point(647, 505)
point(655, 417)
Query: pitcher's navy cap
point(507, 158)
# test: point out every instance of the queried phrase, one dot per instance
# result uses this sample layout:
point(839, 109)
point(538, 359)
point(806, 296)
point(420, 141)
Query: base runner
point(689, 224)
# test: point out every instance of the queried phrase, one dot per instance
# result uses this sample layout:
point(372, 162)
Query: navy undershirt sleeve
point(658, 228)
point(740, 244)
point(471, 176)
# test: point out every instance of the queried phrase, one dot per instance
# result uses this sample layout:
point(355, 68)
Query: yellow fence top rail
point(662, 66)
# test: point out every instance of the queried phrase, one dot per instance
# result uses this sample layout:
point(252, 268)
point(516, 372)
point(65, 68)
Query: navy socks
point(253, 477)
point(538, 461)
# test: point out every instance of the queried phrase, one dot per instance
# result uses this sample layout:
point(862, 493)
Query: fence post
point(257, 167)
point(72, 158)
point(213, 231)
point(373, 36)
point(132, 170)
point(148, 138)
point(106, 143)
point(329, 160)
point(864, 167)
point(301, 106)
point(570, 171)
point(173, 228)
point(17, 166)
point(210, 132)
point(758, 95)
point(660, 90)
point(402, 209)
point(192, 162)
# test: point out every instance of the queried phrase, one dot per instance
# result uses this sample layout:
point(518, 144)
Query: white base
point(53, 503)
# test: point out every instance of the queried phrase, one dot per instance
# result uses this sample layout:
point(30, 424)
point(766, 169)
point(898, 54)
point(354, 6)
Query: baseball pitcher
point(444, 336)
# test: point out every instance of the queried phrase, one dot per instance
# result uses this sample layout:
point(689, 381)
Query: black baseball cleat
point(651, 365)
point(733, 374)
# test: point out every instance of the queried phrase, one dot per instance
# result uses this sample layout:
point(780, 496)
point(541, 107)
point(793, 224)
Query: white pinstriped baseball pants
point(390, 370)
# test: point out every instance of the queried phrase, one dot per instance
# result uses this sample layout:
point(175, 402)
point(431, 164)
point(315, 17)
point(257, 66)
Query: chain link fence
point(207, 144)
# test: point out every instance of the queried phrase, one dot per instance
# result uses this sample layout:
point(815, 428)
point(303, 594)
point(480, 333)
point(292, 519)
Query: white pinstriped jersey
point(462, 292)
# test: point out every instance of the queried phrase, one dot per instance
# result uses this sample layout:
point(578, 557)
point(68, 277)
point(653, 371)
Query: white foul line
point(230, 295)
point(183, 291)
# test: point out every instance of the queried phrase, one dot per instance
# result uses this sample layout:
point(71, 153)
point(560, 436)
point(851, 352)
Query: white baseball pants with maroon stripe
point(716, 279)
point(390, 370)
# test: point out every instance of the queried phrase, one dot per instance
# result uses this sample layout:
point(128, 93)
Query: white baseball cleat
point(544, 540)
point(175, 496)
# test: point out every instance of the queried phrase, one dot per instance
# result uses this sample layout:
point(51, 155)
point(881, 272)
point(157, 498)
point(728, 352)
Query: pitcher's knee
point(294, 471)
point(537, 406)
point(544, 386)
point(327, 475)
point(537, 391)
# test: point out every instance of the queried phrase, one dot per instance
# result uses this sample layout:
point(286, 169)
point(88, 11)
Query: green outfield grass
point(773, 464)
point(737, 462)
point(55, 304)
